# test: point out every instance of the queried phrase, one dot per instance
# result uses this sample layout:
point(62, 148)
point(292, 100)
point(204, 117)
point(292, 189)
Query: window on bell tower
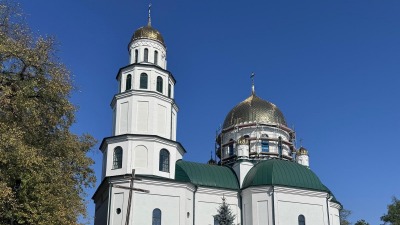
point(117, 158)
point(156, 217)
point(143, 81)
point(302, 220)
point(146, 55)
point(164, 160)
point(128, 82)
point(169, 90)
point(136, 56)
point(156, 57)
point(159, 84)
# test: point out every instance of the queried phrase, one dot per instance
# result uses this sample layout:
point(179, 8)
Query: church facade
point(264, 178)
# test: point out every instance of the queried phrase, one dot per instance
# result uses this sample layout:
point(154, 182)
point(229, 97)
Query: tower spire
point(253, 91)
point(149, 17)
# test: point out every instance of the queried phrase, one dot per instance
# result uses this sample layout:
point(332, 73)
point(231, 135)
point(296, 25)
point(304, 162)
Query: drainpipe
point(273, 205)
point(327, 208)
point(194, 204)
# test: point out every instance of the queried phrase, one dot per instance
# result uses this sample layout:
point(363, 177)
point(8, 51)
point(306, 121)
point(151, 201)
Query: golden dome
point(254, 109)
point(148, 32)
point(302, 151)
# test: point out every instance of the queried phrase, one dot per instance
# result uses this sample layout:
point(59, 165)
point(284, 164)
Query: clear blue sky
point(332, 67)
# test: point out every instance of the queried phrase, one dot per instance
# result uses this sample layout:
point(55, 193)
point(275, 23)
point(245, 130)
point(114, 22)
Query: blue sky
point(332, 67)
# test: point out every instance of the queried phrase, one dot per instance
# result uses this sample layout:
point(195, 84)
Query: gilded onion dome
point(254, 109)
point(302, 151)
point(148, 32)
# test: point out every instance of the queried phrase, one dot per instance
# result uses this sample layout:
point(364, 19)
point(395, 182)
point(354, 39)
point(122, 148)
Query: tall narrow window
point(164, 160)
point(230, 148)
point(159, 84)
point(117, 158)
point(146, 55)
point(169, 90)
point(264, 143)
point(143, 81)
point(156, 57)
point(302, 220)
point(156, 217)
point(136, 56)
point(128, 82)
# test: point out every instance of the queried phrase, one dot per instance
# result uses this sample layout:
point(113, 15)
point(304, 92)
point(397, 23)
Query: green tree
point(393, 215)
point(225, 215)
point(44, 168)
point(343, 215)
point(361, 222)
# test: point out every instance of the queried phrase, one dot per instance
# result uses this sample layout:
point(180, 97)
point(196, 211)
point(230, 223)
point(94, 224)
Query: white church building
point(264, 178)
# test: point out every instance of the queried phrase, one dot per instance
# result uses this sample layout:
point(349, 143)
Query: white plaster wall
point(132, 120)
point(169, 197)
point(334, 213)
point(257, 203)
point(152, 73)
point(153, 146)
point(241, 169)
point(290, 203)
point(208, 201)
point(152, 46)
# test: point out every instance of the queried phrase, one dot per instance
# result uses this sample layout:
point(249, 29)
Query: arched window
point(164, 160)
point(264, 143)
point(230, 148)
point(156, 57)
point(159, 84)
point(143, 81)
point(156, 217)
point(169, 90)
point(128, 82)
point(302, 220)
point(146, 55)
point(136, 56)
point(117, 158)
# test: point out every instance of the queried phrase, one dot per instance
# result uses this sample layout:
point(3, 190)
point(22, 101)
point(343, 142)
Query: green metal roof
point(283, 173)
point(206, 175)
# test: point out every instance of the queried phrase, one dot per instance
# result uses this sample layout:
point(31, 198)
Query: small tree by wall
point(225, 215)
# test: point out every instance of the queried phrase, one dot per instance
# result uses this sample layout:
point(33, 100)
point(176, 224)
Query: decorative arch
point(141, 156)
point(159, 84)
point(143, 81)
point(164, 160)
point(117, 158)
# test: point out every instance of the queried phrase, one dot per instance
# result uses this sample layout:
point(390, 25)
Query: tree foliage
point(393, 215)
point(43, 166)
point(361, 222)
point(344, 214)
point(225, 215)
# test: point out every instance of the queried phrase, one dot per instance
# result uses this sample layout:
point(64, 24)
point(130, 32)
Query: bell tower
point(144, 112)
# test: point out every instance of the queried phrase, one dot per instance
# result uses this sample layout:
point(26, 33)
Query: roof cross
point(252, 83)
point(149, 18)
